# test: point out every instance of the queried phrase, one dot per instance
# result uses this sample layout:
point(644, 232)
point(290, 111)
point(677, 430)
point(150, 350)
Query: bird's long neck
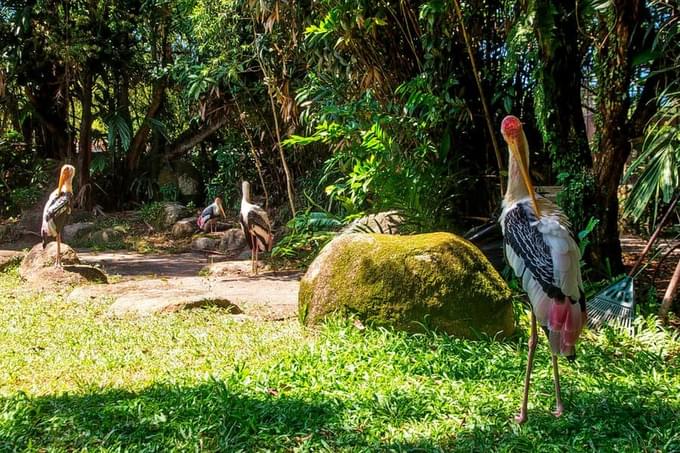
point(246, 192)
point(517, 189)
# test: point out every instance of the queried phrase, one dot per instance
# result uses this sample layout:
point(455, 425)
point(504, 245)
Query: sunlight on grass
point(73, 378)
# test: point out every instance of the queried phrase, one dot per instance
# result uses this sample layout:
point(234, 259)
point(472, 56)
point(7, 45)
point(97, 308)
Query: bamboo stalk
point(485, 106)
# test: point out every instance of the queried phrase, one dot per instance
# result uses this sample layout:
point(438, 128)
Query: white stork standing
point(541, 250)
point(256, 226)
point(57, 209)
point(208, 218)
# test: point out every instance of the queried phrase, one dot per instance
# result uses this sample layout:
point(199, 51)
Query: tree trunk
point(51, 112)
point(139, 141)
point(84, 145)
point(614, 72)
point(668, 297)
point(188, 139)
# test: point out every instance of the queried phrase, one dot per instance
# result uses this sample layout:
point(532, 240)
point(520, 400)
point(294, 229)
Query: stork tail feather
point(565, 324)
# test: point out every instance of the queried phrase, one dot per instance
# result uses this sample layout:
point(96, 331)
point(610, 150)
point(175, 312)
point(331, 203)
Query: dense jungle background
point(335, 108)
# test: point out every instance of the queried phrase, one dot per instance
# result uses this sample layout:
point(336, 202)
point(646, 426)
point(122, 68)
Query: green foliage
point(25, 197)
point(657, 167)
point(153, 213)
point(385, 160)
point(22, 175)
point(76, 379)
point(306, 234)
point(144, 186)
point(578, 191)
point(169, 192)
point(583, 235)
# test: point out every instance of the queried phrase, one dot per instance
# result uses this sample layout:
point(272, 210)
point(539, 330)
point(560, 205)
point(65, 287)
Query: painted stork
point(256, 226)
point(208, 218)
point(57, 209)
point(541, 250)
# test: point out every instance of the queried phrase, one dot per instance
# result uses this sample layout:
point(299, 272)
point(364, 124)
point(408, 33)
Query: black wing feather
point(60, 206)
point(527, 242)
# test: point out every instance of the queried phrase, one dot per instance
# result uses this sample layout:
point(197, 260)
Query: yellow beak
point(520, 157)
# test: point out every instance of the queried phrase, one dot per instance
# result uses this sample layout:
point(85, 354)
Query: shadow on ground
point(214, 417)
point(126, 263)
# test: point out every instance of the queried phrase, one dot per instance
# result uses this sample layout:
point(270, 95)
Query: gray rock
point(184, 177)
point(233, 241)
point(7, 232)
point(388, 222)
point(77, 230)
point(184, 228)
point(188, 178)
point(173, 212)
point(107, 235)
point(205, 243)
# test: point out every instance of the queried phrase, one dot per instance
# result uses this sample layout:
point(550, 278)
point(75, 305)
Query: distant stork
point(256, 227)
point(57, 209)
point(207, 221)
point(541, 250)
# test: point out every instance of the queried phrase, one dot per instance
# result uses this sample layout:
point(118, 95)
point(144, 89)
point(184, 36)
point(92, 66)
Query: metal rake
point(616, 303)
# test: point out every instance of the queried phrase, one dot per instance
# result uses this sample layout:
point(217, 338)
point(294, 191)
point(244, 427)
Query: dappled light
point(265, 225)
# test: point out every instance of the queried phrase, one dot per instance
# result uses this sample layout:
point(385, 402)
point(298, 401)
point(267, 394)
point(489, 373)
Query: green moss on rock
point(437, 279)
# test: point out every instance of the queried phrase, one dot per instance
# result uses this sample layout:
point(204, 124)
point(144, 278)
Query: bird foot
point(559, 410)
point(521, 418)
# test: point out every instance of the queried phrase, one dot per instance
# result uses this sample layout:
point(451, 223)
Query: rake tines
point(614, 305)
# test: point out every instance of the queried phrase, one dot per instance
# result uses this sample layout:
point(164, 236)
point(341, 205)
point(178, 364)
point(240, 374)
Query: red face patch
point(511, 126)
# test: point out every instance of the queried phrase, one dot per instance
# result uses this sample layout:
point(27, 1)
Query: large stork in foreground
point(57, 209)
point(208, 218)
point(256, 226)
point(541, 249)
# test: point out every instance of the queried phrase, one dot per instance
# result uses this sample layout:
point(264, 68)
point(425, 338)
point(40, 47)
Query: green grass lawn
point(72, 379)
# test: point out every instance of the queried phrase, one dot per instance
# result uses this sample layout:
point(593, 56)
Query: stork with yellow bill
point(256, 227)
point(207, 221)
point(57, 209)
point(541, 249)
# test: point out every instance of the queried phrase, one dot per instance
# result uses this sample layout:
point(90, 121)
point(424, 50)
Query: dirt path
point(145, 284)
point(154, 283)
point(132, 264)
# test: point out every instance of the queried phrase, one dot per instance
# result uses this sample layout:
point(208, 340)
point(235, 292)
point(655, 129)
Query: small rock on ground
point(184, 228)
point(205, 243)
point(77, 230)
point(233, 241)
point(173, 212)
point(107, 235)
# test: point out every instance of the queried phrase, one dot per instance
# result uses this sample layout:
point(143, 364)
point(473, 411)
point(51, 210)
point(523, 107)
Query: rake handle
point(656, 233)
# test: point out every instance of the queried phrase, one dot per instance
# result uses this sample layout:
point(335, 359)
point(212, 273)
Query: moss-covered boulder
point(436, 279)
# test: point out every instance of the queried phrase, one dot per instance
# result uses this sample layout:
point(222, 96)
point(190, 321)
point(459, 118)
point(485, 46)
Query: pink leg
point(558, 394)
point(252, 254)
point(57, 263)
point(533, 339)
point(256, 251)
